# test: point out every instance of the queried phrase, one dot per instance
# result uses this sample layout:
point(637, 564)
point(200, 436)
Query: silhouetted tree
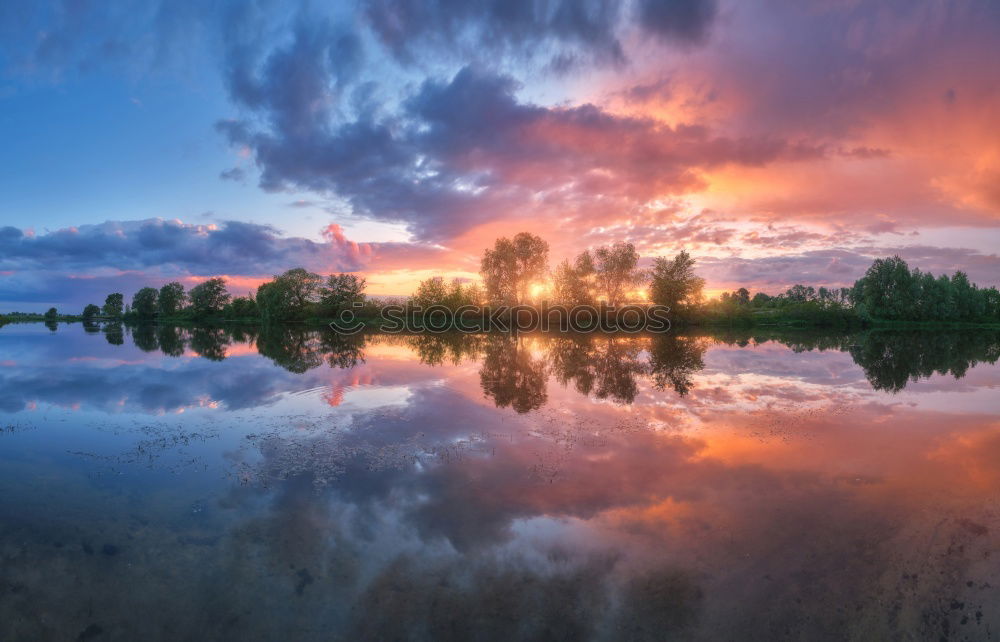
point(171, 299)
point(289, 296)
point(512, 266)
point(341, 291)
point(113, 305)
point(51, 314)
point(303, 286)
point(241, 307)
point(91, 311)
point(616, 271)
point(145, 303)
point(573, 283)
point(209, 297)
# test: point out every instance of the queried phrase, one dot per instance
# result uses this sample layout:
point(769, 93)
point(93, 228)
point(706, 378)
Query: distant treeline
point(515, 271)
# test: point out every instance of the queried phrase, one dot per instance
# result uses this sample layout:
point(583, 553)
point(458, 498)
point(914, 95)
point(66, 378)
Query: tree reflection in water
point(210, 343)
point(294, 349)
point(514, 371)
point(599, 365)
point(892, 359)
point(512, 374)
point(144, 337)
point(114, 333)
point(171, 340)
point(673, 361)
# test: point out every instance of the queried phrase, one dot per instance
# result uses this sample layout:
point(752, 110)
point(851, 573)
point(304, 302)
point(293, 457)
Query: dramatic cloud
point(228, 248)
point(467, 151)
point(779, 142)
point(561, 35)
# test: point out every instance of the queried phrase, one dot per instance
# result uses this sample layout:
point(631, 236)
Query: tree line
point(516, 271)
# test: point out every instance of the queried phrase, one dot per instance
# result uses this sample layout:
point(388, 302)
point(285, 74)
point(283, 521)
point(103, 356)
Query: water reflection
point(723, 485)
point(893, 359)
point(515, 372)
point(512, 374)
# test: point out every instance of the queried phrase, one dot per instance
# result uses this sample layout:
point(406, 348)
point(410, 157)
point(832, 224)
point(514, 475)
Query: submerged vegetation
point(515, 272)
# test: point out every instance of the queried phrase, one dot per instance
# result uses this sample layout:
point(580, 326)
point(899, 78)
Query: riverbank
point(479, 323)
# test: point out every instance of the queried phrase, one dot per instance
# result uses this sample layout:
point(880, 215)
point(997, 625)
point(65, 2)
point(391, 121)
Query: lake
point(168, 483)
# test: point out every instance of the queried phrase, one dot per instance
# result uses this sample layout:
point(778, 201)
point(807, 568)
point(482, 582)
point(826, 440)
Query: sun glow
point(538, 289)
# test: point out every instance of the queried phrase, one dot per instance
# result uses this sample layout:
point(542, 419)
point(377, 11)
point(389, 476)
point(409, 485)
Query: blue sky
point(779, 143)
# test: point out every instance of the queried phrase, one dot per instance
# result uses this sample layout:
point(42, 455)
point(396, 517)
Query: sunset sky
point(779, 142)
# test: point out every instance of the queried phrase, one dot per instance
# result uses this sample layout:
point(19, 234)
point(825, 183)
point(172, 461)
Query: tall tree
point(145, 302)
point(209, 297)
point(91, 311)
point(171, 299)
point(573, 283)
point(674, 283)
point(341, 291)
point(617, 271)
point(113, 305)
point(885, 291)
point(512, 265)
point(303, 286)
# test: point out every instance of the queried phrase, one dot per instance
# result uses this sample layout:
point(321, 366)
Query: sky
point(778, 142)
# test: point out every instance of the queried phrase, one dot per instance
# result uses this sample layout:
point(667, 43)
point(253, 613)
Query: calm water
point(158, 483)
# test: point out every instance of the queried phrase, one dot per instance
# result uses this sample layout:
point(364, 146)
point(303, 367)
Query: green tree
point(209, 297)
point(273, 301)
point(430, 292)
point(674, 283)
point(303, 287)
point(171, 299)
point(114, 304)
point(241, 307)
point(510, 268)
point(800, 294)
point(742, 296)
point(51, 314)
point(341, 291)
point(145, 303)
point(287, 296)
point(885, 291)
point(91, 311)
